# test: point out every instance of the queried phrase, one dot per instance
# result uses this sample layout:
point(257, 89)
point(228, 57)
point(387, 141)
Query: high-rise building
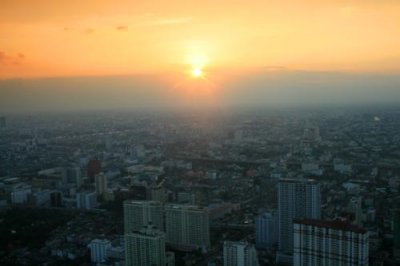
point(86, 200)
point(239, 254)
point(157, 193)
point(297, 199)
point(138, 214)
point(101, 184)
point(267, 229)
point(145, 248)
point(98, 250)
point(396, 234)
point(187, 226)
point(318, 242)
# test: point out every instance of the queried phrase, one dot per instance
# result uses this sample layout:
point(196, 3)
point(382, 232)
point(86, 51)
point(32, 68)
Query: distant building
point(2, 122)
point(100, 184)
point(98, 250)
point(239, 254)
point(86, 200)
point(396, 234)
point(297, 199)
point(20, 194)
point(186, 197)
point(157, 193)
point(138, 214)
point(145, 248)
point(267, 229)
point(56, 199)
point(318, 242)
point(93, 168)
point(72, 175)
point(187, 226)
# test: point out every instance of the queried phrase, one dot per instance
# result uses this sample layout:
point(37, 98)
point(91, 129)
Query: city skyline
point(101, 55)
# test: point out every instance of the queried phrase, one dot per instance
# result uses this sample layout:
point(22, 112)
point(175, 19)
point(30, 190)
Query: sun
point(197, 72)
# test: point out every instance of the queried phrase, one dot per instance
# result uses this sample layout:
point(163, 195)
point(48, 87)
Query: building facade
point(239, 254)
point(297, 198)
point(187, 226)
point(329, 243)
point(267, 229)
point(138, 214)
point(145, 248)
point(98, 250)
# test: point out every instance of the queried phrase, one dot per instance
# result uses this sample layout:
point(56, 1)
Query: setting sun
point(196, 72)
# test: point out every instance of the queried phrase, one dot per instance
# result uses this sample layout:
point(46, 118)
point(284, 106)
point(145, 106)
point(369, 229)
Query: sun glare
point(196, 72)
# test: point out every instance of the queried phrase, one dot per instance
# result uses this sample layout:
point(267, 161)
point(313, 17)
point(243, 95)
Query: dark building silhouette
point(2, 122)
point(93, 168)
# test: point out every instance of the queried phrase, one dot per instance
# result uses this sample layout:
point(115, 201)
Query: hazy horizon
point(269, 89)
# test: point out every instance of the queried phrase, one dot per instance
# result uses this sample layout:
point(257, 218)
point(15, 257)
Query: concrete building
point(98, 250)
point(86, 200)
point(267, 229)
point(145, 248)
point(140, 213)
point(318, 242)
point(187, 226)
point(239, 254)
point(101, 184)
point(297, 199)
point(20, 194)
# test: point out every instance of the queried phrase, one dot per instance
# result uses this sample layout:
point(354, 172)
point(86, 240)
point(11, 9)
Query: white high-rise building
point(239, 254)
point(101, 184)
point(20, 194)
point(187, 226)
point(145, 248)
point(98, 250)
point(267, 229)
point(138, 214)
point(329, 243)
point(86, 200)
point(297, 199)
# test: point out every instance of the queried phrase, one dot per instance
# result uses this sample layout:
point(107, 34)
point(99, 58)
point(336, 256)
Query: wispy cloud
point(10, 59)
point(89, 31)
point(121, 28)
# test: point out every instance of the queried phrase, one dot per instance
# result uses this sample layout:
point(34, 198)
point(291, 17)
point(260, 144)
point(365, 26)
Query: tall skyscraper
point(239, 254)
point(267, 229)
point(187, 226)
point(138, 214)
point(101, 184)
point(396, 234)
point(297, 199)
point(145, 248)
point(318, 242)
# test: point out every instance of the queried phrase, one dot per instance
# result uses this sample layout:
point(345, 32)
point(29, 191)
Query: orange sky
point(46, 38)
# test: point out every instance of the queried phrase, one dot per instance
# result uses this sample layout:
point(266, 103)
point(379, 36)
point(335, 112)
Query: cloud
point(7, 59)
point(89, 31)
point(121, 28)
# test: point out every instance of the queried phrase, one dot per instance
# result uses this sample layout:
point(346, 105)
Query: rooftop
point(337, 225)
